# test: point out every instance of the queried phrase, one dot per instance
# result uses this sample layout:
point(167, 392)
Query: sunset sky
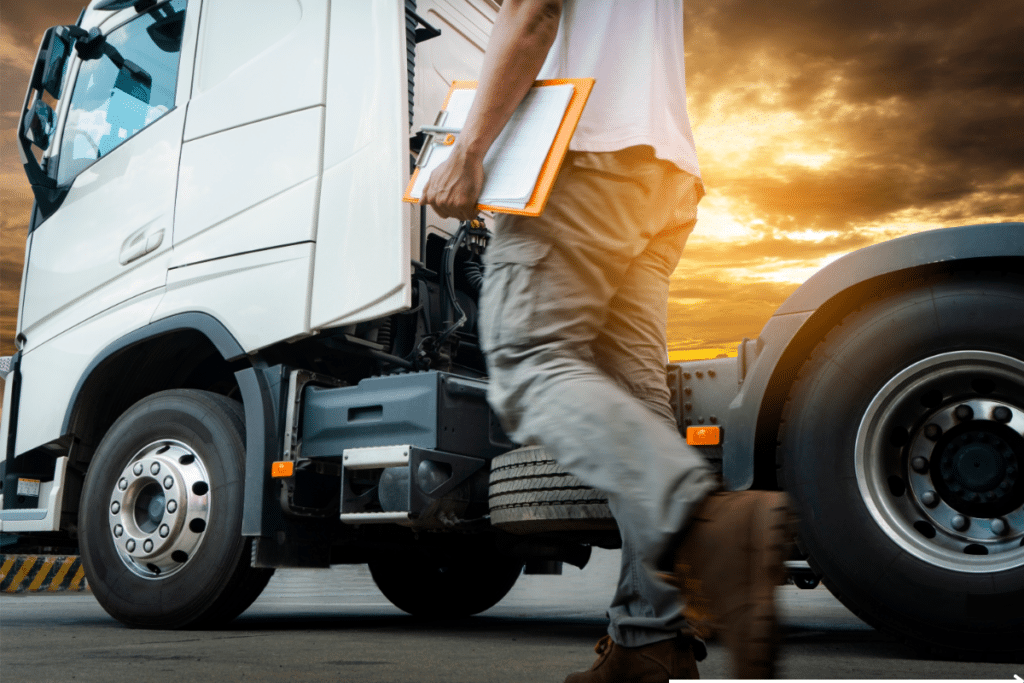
point(822, 126)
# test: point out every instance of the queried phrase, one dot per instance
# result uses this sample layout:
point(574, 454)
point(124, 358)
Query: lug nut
point(168, 481)
point(998, 527)
point(929, 498)
point(919, 464)
point(172, 505)
point(1002, 414)
point(155, 469)
point(959, 522)
point(963, 412)
point(130, 545)
point(118, 531)
point(137, 469)
point(115, 507)
point(932, 432)
point(164, 531)
point(123, 484)
point(148, 546)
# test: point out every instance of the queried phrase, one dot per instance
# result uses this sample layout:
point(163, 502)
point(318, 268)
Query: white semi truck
point(239, 350)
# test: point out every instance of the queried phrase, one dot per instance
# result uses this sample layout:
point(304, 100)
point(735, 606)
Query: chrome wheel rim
point(939, 456)
point(159, 509)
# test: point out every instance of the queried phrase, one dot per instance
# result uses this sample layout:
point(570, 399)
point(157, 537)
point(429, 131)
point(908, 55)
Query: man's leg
point(632, 349)
point(557, 290)
point(547, 295)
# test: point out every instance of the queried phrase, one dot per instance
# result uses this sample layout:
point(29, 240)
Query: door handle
point(140, 243)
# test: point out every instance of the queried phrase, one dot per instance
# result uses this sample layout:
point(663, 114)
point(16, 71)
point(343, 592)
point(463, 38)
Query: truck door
point(118, 157)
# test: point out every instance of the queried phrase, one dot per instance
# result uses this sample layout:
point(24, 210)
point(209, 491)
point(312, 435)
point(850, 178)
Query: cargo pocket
point(508, 302)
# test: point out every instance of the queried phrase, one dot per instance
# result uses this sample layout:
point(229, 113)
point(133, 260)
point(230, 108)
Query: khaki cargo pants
point(573, 317)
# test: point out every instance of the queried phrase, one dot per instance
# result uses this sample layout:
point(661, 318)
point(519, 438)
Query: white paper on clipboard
point(513, 164)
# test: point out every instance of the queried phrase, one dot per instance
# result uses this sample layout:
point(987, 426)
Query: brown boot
point(727, 566)
point(655, 663)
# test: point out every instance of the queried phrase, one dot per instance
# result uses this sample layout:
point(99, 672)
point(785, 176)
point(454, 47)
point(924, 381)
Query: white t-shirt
point(634, 50)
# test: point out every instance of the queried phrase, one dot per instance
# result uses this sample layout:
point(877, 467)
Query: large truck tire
point(529, 493)
point(161, 514)
point(433, 584)
point(902, 445)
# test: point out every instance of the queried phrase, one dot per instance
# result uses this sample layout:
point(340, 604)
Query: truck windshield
point(110, 104)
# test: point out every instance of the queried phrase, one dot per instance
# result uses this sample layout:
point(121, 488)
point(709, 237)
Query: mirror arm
point(37, 177)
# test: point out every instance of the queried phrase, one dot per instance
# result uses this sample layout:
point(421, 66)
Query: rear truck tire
point(161, 514)
point(435, 583)
point(529, 493)
point(902, 445)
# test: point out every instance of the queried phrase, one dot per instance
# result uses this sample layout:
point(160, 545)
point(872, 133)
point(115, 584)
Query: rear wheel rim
point(939, 456)
point(159, 509)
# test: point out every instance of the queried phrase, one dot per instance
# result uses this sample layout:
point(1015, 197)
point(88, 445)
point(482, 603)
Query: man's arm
point(522, 35)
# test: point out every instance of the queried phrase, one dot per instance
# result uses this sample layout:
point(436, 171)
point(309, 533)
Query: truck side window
point(131, 85)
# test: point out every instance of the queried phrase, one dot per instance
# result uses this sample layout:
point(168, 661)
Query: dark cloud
point(926, 99)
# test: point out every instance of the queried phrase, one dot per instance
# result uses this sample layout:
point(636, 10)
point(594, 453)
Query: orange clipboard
point(549, 170)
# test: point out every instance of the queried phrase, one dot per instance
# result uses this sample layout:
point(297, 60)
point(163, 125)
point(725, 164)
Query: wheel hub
point(159, 508)
point(975, 467)
point(938, 459)
point(977, 464)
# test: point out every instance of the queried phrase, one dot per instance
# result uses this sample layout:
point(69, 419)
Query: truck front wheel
point(902, 445)
point(161, 513)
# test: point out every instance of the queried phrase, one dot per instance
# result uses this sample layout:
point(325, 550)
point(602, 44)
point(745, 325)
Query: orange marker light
point(282, 468)
point(703, 436)
point(449, 140)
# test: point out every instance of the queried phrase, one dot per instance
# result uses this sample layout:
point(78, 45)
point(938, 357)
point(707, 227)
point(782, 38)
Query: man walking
point(573, 318)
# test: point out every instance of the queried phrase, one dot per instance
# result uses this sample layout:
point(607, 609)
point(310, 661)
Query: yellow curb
point(26, 567)
point(41, 573)
point(56, 583)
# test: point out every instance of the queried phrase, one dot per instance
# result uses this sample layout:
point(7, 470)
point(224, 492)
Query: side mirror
point(56, 62)
point(52, 61)
point(40, 123)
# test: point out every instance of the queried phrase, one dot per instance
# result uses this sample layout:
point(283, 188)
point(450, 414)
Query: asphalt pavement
point(334, 625)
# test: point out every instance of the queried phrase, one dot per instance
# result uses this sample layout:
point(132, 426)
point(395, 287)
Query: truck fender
point(261, 388)
point(772, 360)
point(203, 323)
point(258, 385)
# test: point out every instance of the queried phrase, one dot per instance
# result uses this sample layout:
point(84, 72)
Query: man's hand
point(522, 35)
point(455, 186)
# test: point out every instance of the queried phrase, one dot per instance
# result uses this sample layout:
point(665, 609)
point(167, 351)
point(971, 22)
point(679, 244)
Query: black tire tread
point(530, 493)
point(817, 358)
point(244, 582)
